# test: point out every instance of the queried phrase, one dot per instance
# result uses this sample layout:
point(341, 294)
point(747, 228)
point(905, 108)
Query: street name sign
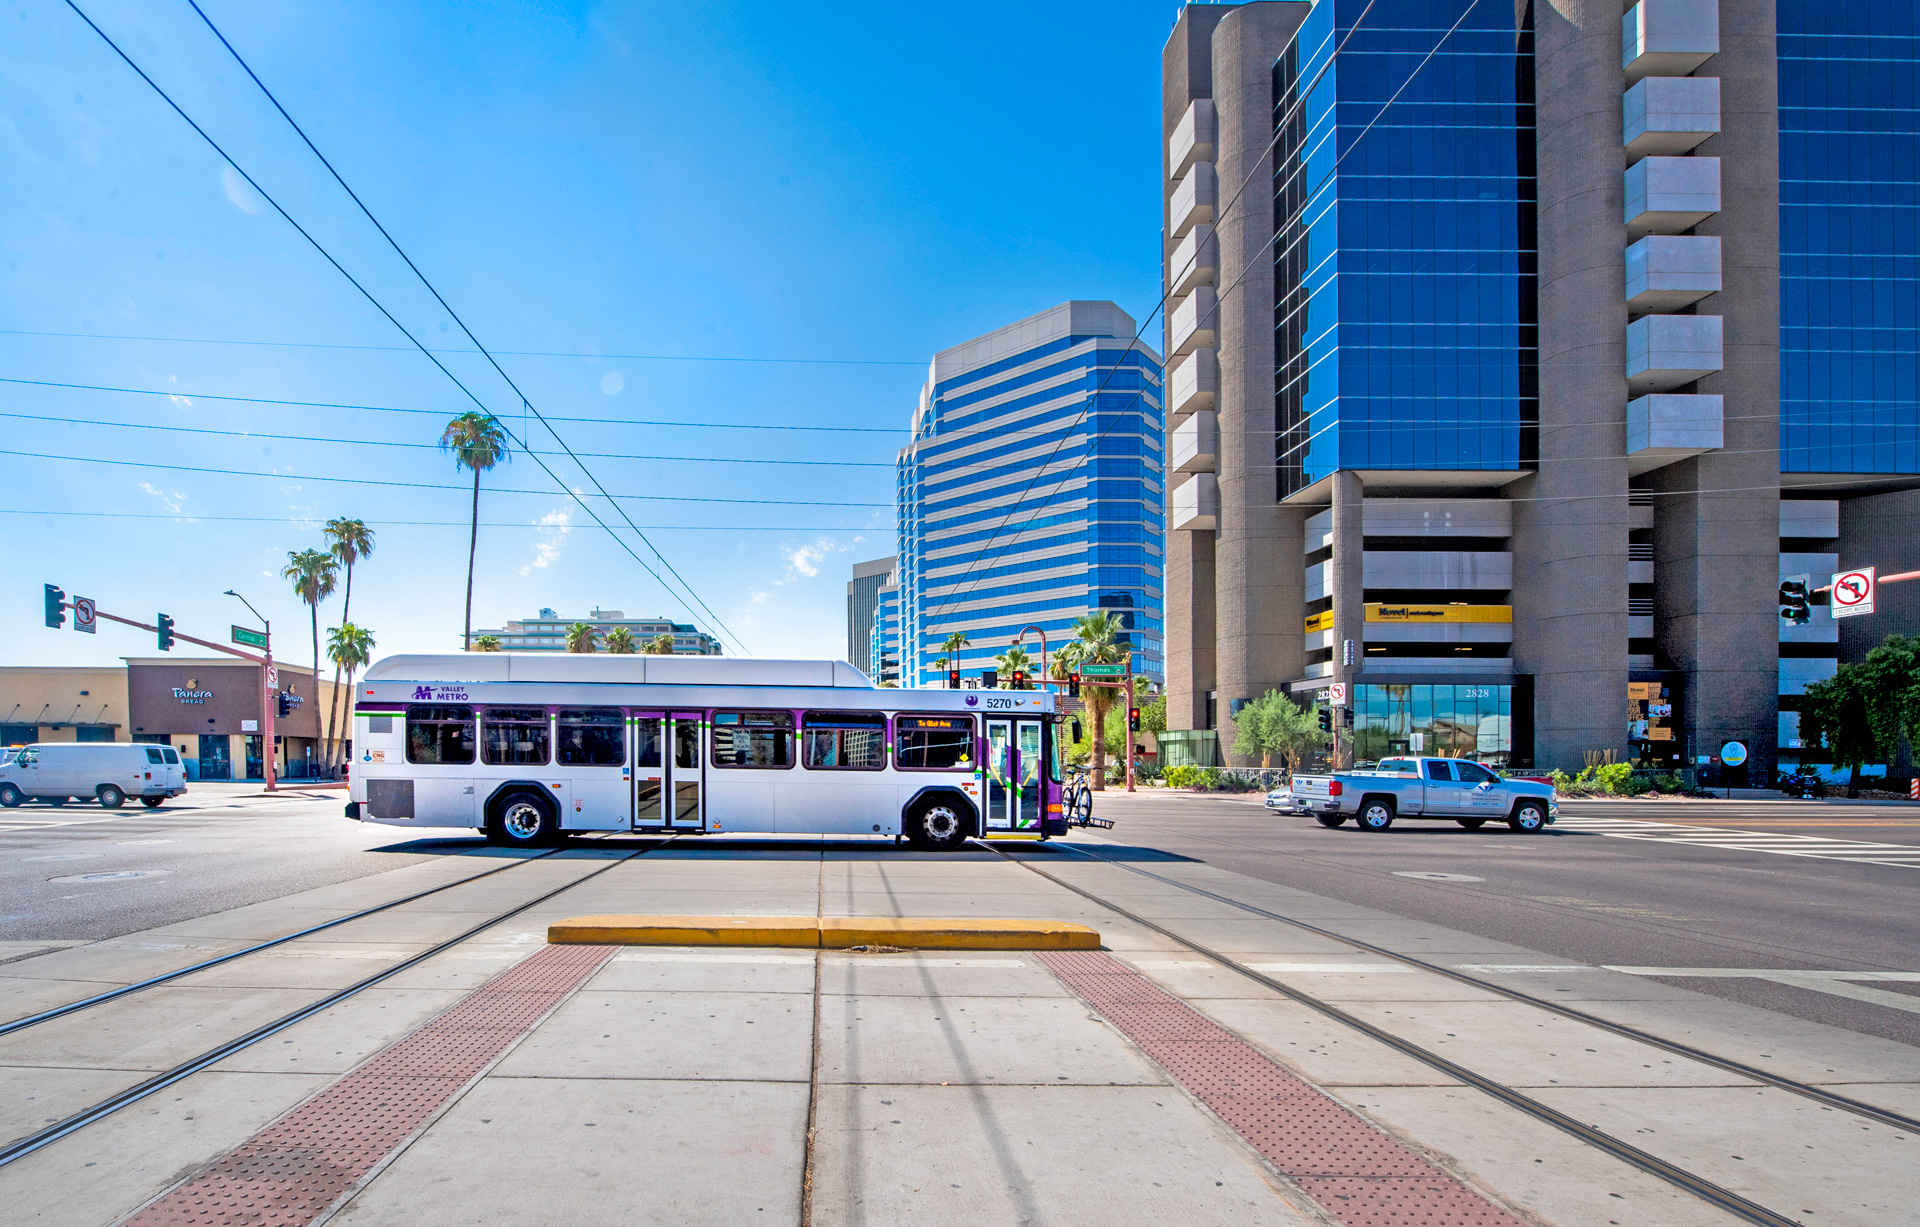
point(253, 639)
point(1103, 670)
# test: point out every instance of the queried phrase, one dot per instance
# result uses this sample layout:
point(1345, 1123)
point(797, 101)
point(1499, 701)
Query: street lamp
point(269, 696)
point(1020, 640)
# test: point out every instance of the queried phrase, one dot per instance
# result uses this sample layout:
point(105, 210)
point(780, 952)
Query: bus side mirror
point(1076, 730)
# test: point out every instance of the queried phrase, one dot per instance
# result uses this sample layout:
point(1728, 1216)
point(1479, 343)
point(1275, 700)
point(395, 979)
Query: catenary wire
point(437, 297)
point(364, 293)
point(186, 517)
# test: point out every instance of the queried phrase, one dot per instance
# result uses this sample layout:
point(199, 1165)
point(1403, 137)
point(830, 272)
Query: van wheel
point(1331, 820)
point(936, 826)
point(56, 802)
point(523, 820)
point(153, 802)
point(1472, 824)
point(1528, 817)
point(111, 797)
point(10, 796)
point(1376, 815)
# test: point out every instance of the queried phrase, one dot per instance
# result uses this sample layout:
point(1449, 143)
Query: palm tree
point(582, 637)
point(1099, 641)
point(477, 442)
point(486, 643)
point(312, 573)
point(951, 645)
point(659, 645)
point(349, 647)
point(620, 641)
point(1066, 660)
point(351, 540)
point(1013, 660)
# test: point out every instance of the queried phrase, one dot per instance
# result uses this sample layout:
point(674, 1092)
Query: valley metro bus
point(527, 748)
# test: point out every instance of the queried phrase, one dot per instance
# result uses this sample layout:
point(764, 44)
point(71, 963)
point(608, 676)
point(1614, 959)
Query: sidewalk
point(677, 1085)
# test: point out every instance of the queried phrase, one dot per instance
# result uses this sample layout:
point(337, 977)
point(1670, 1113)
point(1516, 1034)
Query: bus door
point(1015, 797)
point(646, 737)
point(686, 771)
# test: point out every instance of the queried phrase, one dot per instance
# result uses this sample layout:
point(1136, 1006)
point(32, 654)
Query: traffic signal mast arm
point(181, 635)
point(1882, 579)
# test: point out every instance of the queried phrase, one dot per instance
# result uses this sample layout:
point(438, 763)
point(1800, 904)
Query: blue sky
point(605, 193)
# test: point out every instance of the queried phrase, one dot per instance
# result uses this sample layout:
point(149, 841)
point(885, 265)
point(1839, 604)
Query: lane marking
point(1427, 875)
point(1780, 843)
point(116, 875)
point(1833, 983)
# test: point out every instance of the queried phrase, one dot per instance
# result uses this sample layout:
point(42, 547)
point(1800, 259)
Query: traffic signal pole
point(1129, 731)
point(269, 684)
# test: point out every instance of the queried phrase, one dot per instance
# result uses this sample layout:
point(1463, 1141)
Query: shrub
point(1181, 776)
point(1666, 781)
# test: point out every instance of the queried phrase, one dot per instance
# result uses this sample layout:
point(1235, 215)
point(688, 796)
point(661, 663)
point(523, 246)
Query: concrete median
point(831, 932)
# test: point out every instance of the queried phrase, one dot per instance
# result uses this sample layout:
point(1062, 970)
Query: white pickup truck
point(1453, 788)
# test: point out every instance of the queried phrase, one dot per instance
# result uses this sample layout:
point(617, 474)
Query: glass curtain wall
point(1406, 322)
point(1849, 237)
point(1452, 721)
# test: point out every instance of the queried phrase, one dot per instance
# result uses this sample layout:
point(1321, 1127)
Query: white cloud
point(170, 501)
point(179, 400)
point(612, 382)
point(243, 197)
point(553, 529)
point(804, 561)
point(759, 596)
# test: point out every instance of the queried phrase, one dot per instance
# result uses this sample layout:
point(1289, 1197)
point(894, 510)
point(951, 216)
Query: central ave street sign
point(253, 639)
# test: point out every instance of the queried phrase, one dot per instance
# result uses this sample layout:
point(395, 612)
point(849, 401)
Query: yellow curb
point(833, 933)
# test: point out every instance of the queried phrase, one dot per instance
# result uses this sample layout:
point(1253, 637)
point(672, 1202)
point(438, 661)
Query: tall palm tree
point(477, 442)
point(313, 573)
point(1066, 660)
point(350, 541)
point(582, 637)
point(1013, 660)
point(486, 643)
point(620, 641)
point(951, 645)
point(349, 647)
point(1098, 636)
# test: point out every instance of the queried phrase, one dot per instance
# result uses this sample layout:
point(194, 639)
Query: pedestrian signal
point(953, 679)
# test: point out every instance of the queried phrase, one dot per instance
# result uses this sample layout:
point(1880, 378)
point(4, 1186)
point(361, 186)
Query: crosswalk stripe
point(1818, 847)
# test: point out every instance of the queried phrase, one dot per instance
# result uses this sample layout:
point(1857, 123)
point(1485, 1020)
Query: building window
point(435, 734)
point(753, 739)
point(592, 736)
point(849, 740)
point(515, 736)
point(934, 743)
point(1442, 720)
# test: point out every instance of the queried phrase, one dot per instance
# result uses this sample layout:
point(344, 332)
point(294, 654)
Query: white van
point(106, 771)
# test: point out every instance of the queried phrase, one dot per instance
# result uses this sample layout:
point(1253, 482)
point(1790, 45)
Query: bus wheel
point(936, 826)
point(523, 820)
point(111, 797)
point(10, 796)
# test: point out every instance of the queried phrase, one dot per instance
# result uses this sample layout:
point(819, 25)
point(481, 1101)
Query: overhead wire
point(455, 316)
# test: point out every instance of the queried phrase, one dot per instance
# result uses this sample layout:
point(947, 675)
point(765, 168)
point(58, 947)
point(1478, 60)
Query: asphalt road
point(1600, 900)
point(221, 846)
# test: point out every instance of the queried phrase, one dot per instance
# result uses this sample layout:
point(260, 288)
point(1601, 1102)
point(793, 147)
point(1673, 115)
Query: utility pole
point(270, 698)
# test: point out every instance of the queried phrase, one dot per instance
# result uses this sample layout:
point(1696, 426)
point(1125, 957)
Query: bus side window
point(934, 743)
point(851, 740)
point(592, 736)
point(646, 742)
point(515, 736)
point(753, 739)
point(439, 734)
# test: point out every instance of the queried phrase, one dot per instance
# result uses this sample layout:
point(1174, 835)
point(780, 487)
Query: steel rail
point(1707, 1191)
point(85, 1003)
point(20, 1148)
point(1881, 1116)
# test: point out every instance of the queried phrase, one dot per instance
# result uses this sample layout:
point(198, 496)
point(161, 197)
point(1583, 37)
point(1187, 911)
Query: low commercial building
point(80, 703)
point(548, 632)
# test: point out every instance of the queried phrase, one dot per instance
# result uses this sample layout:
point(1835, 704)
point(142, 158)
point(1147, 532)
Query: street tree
point(620, 641)
point(1862, 713)
point(486, 643)
point(659, 645)
point(1273, 725)
point(348, 541)
point(349, 647)
point(477, 442)
point(1013, 660)
point(312, 573)
point(582, 637)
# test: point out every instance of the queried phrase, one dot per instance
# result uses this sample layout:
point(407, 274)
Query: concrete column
point(1717, 516)
point(1259, 578)
point(1349, 581)
point(1570, 518)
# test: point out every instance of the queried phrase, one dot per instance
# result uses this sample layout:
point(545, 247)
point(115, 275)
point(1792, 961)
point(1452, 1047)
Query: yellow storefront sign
point(1382, 612)
point(1322, 621)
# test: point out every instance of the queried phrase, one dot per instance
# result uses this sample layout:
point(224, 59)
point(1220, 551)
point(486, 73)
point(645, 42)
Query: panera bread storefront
point(209, 710)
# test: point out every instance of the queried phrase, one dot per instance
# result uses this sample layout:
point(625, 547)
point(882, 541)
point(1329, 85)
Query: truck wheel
point(1528, 818)
point(523, 820)
point(1376, 815)
point(153, 802)
point(10, 796)
point(936, 825)
point(1331, 820)
point(111, 797)
point(1472, 824)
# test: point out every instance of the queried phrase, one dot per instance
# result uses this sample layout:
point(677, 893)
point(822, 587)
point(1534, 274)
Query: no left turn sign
point(1853, 592)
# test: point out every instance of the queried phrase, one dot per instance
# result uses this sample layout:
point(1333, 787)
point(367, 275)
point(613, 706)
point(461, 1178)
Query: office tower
point(863, 593)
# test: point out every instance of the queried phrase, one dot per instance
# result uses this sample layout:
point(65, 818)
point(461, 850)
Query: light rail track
point(87, 1003)
point(1714, 1194)
point(20, 1148)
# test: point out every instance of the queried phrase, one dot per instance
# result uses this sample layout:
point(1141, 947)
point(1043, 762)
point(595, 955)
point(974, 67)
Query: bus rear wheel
point(936, 825)
point(523, 820)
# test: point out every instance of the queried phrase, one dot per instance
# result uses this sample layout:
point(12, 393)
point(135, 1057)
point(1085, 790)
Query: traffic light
point(1794, 606)
point(283, 705)
point(1133, 718)
point(56, 607)
point(1019, 679)
point(1346, 716)
point(953, 679)
point(1326, 720)
point(166, 633)
point(1073, 686)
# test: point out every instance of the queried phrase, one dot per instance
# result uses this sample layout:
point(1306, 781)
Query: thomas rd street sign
point(253, 639)
point(1103, 670)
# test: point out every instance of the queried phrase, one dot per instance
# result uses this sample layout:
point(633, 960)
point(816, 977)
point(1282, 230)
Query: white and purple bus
point(528, 748)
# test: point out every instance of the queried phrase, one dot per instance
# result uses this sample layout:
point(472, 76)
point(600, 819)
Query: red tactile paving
point(292, 1170)
point(1357, 1173)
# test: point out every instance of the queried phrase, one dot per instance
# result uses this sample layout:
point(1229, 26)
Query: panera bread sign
point(189, 693)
